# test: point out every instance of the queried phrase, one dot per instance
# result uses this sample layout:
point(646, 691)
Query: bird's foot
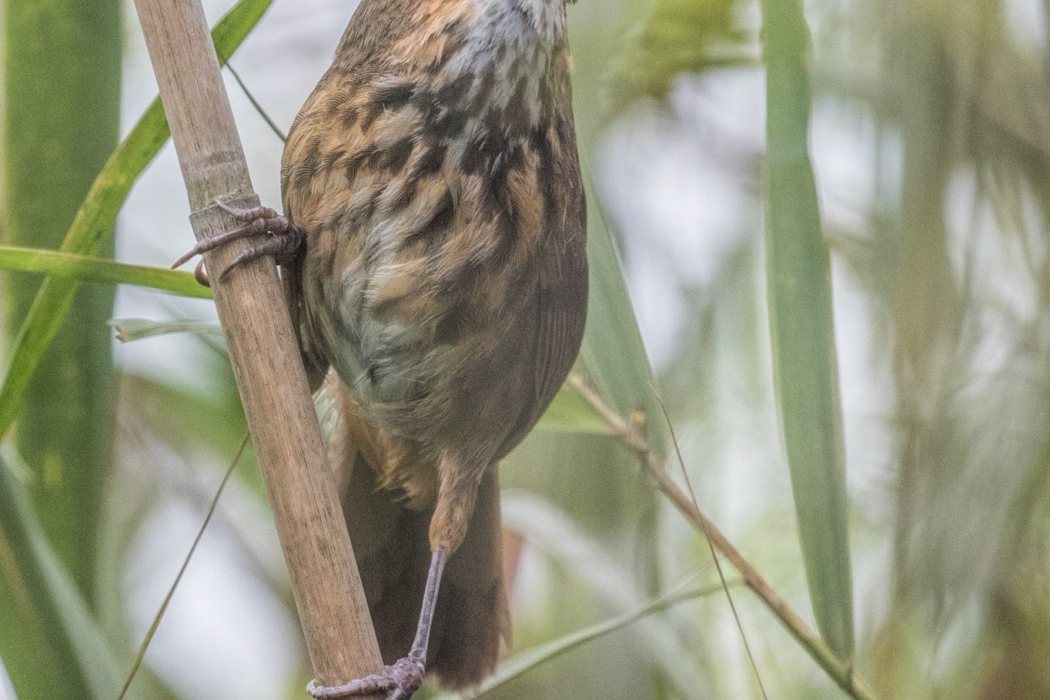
point(398, 681)
point(283, 240)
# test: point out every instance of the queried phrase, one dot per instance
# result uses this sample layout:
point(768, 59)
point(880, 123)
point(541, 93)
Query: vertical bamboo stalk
point(59, 122)
point(62, 108)
point(263, 350)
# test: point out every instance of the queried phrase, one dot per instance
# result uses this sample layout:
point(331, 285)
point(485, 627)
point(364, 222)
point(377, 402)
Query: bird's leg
point(283, 240)
point(448, 528)
point(404, 676)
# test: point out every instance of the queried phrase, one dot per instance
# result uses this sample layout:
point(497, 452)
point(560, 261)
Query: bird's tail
point(393, 555)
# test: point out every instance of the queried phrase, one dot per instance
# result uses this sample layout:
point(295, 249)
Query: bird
point(433, 252)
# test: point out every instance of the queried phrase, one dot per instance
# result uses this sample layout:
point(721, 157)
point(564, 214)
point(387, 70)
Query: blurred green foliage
point(61, 111)
point(62, 100)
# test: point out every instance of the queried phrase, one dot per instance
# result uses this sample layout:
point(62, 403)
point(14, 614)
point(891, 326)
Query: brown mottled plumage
point(434, 175)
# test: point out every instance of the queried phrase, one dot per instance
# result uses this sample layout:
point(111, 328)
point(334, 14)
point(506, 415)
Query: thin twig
point(140, 655)
point(840, 671)
point(525, 661)
point(255, 103)
point(710, 544)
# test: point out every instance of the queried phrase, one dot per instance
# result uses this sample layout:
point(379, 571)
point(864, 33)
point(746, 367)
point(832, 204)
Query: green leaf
point(95, 219)
point(132, 329)
point(48, 601)
point(554, 534)
point(526, 661)
point(569, 413)
point(613, 353)
point(87, 269)
point(61, 122)
point(802, 327)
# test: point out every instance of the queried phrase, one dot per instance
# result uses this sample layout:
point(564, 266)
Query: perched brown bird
point(434, 180)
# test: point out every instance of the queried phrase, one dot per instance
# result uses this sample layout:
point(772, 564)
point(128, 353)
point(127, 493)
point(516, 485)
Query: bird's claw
point(398, 681)
point(283, 240)
point(201, 274)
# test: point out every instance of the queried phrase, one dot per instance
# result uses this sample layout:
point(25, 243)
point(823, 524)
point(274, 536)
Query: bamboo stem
point(263, 350)
point(632, 434)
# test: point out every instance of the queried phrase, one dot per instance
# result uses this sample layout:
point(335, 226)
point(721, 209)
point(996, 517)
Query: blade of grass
point(255, 103)
point(95, 219)
point(613, 352)
point(838, 669)
point(526, 661)
point(802, 328)
point(49, 601)
point(61, 121)
point(552, 532)
point(568, 413)
point(614, 356)
point(131, 329)
point(711, 545)
point(140, 655)
point(87, 269)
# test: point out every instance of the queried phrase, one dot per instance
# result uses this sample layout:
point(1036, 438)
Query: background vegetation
point(829, 263)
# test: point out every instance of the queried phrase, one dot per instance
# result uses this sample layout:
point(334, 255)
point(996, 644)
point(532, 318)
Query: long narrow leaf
point(61, 122)
point(569, 413)
point(48, 598)
point(520, 664)
point(87, 269)
point(557, 536)
point(623, 376)
point(804, 360)
point(131, 329)
point(97, 215)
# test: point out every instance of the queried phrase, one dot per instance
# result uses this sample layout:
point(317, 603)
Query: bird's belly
point(427, 375)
